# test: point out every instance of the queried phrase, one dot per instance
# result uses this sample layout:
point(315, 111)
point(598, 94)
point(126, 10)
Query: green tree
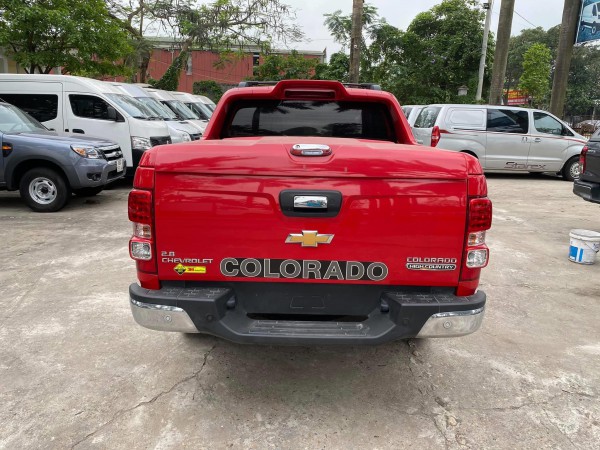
point(338, 68)
point(536, 72)
point(441, 52)
point(209, 88)
point(280, 67)
point(77, 35)
point(170, 80)
point(340, 25)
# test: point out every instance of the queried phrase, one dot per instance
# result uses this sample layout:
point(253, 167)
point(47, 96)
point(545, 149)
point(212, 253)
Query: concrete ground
point(77, 372)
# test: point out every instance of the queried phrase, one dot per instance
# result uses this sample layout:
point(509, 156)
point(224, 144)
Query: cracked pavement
point(77, 372)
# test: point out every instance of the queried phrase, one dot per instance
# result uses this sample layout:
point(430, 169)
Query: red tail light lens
point(140, 206)
point(480, 214)
point(582, 157)
point(435, 136)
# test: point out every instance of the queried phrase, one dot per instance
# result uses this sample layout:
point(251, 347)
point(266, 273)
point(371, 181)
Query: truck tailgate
point(222, 220)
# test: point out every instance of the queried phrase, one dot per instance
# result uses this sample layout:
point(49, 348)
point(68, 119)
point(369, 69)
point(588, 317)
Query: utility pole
point(486, 33)
point(501, 56)
point(356, 39)
point(568, 30)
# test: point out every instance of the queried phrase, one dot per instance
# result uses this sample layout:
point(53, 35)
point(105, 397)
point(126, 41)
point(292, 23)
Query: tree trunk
point(501, 55)
point(566, 41)
point(356, 40)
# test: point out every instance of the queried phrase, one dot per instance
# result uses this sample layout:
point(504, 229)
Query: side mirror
point(111, 113)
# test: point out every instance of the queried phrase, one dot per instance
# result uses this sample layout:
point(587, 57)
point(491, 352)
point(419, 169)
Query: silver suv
point(503, 137)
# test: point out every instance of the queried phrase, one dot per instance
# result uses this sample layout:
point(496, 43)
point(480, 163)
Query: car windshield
point(200, 109)
point(182, 111)
point(132, 106)
point(13, 120)
point(157, 108)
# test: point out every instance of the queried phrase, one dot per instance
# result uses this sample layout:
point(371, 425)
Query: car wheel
point(88, 192)
point(44, 190)
point(570, 171)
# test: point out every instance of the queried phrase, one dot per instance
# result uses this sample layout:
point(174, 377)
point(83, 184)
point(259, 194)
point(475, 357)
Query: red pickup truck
point(309, 215)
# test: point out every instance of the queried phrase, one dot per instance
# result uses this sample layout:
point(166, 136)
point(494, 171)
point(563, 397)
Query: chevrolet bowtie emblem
point(309, 239)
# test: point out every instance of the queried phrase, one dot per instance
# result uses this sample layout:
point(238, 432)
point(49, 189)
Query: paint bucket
point(584, 246)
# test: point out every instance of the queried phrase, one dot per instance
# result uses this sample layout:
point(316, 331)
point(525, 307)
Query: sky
point(400, 13)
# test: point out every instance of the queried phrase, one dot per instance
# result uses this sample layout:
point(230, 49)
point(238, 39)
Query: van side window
point(594, 10)
point(466, 118)
point(508, 121)
point(547, 124)
point(41, 107)
point(89, 106)
point(427, 117)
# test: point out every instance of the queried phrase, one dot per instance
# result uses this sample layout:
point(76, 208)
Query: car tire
point(88, 192)
point(570, 171)
point(44, 190)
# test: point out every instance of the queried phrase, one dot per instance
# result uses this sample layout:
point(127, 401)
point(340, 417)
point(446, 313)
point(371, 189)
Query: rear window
point(427, 117)
point(310, 118)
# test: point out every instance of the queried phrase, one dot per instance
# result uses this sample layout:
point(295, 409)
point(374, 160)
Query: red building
point(206, 65)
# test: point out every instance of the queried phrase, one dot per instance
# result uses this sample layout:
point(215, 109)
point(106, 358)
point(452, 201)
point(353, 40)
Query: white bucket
point(584, 246)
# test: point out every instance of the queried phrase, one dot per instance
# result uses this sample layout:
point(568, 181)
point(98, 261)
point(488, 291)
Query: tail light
point(479, 220)
point(142, 247)
point(582, 158)
point(436, 135)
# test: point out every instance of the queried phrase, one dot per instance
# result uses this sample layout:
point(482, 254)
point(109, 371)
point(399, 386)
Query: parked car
point(412, 112)
point(77, 105)
point(178, 107)
point(180, 130)
point(46, 168)
point(588, 184)
point(503, 138)
point(195, 104)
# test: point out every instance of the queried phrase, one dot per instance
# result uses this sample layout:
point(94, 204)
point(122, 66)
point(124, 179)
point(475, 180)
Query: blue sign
point(589, 22)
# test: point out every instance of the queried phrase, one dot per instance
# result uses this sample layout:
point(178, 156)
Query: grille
point(160, 140)
point(111, 153)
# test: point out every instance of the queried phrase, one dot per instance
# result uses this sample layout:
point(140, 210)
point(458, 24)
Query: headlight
point(86, 152)
point(185, 137)
point(140, 143)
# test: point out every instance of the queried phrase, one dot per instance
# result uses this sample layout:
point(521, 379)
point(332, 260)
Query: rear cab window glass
point(361, 120)
point(547, 124)
point(508, 121)
point(427, 117)
point(42, 107)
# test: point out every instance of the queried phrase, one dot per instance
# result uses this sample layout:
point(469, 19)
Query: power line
point(532, 24)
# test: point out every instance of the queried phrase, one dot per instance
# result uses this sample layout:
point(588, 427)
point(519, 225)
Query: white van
point(503, 137)
point(178, 107)
point(195, 104)
point(412, 112)
point(207, 101)
point(180, 131)
point(590, 18)
point(76, 105)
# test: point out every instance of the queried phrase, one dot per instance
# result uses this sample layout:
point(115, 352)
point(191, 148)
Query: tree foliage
point(77, 35)
point(337, 69)
point(427, 63)
point(170, 80)
point(209, 88)
point(535, 80)
point(285, 67)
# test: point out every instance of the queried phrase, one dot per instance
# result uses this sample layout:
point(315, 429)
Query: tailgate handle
point(311, 150)
point(310, 202)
